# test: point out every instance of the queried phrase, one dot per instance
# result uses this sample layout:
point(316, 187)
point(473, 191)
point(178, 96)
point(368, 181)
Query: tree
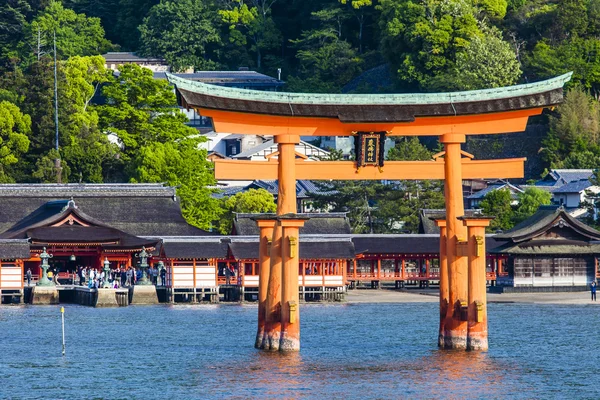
point(14, 129)
point(486, 62)
point(130, 15)
point(141, 110)
point(497, 203)
point(184, 165)
point(252, 201)
point(421, 38)
point(13, 23)
point(76, 34)
point(182, 32)
point(409, 149)
point(326, 62)
point(87, 150)
point(529, 201)
point(574, 134)
point(156, 145)
point(253, 22)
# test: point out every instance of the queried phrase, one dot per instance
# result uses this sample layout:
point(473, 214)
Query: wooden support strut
point(266, 227)
point(346, 170)
point(444, 289)
point(477, 336)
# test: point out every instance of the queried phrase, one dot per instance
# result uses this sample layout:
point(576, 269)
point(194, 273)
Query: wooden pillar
point(455, 333)
point(500, 268)
point(354, 273)
point(403, 268)
point(379, 269)
point(264, 269)
point(283, 281)
point(477, 336)
point(444, 289)
point(290, 301)
point(272, 333)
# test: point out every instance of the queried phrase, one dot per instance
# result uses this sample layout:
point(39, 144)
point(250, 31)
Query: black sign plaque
point(369, 147)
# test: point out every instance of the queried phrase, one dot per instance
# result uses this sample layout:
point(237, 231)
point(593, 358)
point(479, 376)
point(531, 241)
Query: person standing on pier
point(28, 276)
point(593, 290)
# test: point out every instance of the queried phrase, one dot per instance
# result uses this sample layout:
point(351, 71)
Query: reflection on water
point(349, 351)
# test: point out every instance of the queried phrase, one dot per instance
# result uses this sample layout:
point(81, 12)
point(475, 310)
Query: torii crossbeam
point(451, 116)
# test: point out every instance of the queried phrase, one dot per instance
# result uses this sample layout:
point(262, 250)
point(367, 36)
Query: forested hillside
point(320, 46)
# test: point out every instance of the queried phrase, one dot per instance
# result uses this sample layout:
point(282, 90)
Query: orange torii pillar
point(455, 325)
point(477, 336)
point(282, 314)
point(265, 226)
point(444, 289)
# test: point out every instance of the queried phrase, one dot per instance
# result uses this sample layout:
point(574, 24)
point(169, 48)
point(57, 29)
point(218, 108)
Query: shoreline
point(358, 296)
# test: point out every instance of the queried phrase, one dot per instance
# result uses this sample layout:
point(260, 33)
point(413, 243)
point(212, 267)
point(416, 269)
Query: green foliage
point(14, 129)
point(181, 32)
point(573, 141)
point(251, 25)
point(326, 62)
point(409, 149)
point(76, 34)
point(497, 203)
point(421, 39)
point(156, 145)
point(486, 62)
point(529, 201)
point(252, 201)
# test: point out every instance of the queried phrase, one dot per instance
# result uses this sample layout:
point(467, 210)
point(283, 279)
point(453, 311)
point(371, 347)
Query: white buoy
point(62, 313)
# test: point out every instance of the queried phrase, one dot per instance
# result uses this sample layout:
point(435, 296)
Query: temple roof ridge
point(70, 190)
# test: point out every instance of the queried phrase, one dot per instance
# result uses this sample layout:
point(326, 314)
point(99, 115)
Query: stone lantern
point(160, 266)
point(144, 256)
point(106, 269)
point(44, 281)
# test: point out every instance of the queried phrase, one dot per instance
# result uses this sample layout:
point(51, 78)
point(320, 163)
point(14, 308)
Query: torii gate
point(451, 116)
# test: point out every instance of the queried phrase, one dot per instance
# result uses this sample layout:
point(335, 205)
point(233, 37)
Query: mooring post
point(444, 290)
point(477, 336)
point(264, 269)
point(455, 327)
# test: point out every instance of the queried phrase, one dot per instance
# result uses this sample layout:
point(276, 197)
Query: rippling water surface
point(348, 351)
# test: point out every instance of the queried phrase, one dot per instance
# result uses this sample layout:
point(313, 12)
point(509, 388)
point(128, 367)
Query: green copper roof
point(527, 89)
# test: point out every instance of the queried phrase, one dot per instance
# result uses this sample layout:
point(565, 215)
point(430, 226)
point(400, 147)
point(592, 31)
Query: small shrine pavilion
point(549, 249)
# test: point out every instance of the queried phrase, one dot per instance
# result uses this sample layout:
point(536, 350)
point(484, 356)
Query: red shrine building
point(86, 224)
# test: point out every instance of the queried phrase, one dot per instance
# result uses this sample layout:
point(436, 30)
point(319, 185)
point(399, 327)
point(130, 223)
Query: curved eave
point(353, 108)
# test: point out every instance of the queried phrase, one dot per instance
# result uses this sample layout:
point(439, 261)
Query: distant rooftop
point(247, 79)
point(129, 57)
point(575, 186)
point(560, 177)
point(86, 190)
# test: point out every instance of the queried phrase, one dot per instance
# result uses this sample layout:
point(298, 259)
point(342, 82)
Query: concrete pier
point(144, 294)
point(44, 295)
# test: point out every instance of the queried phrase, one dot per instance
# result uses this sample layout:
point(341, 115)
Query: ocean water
point(348, 351)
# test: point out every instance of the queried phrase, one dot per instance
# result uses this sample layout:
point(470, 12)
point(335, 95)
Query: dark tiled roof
point(317, 224)
point(575, 186)
point(138, 209)
point(313, 248)
point(544, 219)
point(559, 177)
point(481, 194)
point(428, 226)
point(405, 244)
point(14, 248)
point(127, 57)
point(82, 234)
point(199, 248)
point(227, 78)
